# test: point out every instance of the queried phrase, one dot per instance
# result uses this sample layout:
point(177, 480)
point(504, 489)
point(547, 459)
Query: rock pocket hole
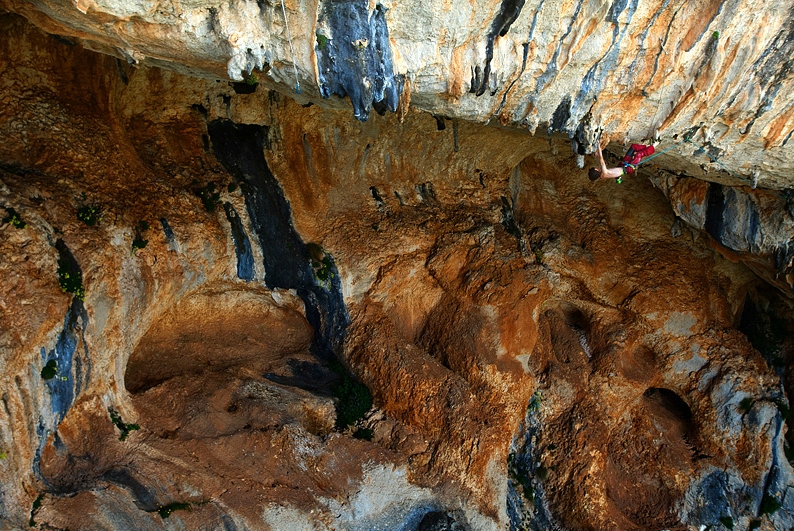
point(216, 330)
point(666, 402)
point(570, 334)
point(229, 360)
point(674, 417)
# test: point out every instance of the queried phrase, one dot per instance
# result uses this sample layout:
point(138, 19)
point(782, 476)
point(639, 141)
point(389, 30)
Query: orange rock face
point(541, 351)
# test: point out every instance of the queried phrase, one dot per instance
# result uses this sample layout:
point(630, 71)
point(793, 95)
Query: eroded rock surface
point(716, 73)
point(542, 351)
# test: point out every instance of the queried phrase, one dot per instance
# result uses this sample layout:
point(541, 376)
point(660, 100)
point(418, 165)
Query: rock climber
point(627, 166)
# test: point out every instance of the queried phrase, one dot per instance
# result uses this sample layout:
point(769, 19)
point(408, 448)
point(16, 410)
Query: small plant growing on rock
point(353, 398)
point(35, 508)
point(70, 281)
point(323, 270)
point(364, 434)
point(783, 407)
point(49, 370)
point(322, 40)
point(89, 214)
point(166, 510)
point(14, 219)
point(769, 505)
point(534, 402)
point(251, 79)
point(727, 521)
point(539, 256)
point(121, 425)
point(321, 263)
point(138, 242)
point(521, 478)
point(3, 454)
point(746, 404)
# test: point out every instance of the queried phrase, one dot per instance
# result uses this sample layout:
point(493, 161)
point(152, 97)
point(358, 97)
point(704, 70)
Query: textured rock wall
point(542, 351)
point(716, 72)
point(756, 227)
point(174, 337)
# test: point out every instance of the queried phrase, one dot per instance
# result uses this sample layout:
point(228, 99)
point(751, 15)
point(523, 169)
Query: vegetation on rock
point(139, 242)
point(13, 218)
point(166, 510)
point(35, 508)
point(353, 398)
point(70, 281)
point(121, 425)
point(727, 521)
point(769, 505)
point(321, 263)
point(89, 214)
point(49, 370)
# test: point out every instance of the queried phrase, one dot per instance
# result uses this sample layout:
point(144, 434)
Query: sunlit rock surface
point(716, 73)
point(543, 352)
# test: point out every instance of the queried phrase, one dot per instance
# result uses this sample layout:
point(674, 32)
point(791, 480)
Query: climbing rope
point(291, 50)
point(720, 164)
point(646, 159)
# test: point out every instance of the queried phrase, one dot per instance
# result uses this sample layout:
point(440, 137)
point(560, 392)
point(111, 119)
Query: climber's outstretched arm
point(608, 173)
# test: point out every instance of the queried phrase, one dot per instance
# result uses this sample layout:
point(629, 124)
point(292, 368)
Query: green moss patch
point(121, 425)
point(49, 371)
point(90, 215)
point(353, 397)
point(13, 218)
point(70, 281)
point(769, 505)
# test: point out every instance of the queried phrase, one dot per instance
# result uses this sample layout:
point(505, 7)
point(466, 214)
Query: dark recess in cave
point(438, 521)
point(770, 335)
point(669, 401)
point(244, 88)
point(240, 148)
point(715, 208)
point(561, 115)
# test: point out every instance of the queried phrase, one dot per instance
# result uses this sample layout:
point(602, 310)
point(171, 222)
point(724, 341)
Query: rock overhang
point(716, 74)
